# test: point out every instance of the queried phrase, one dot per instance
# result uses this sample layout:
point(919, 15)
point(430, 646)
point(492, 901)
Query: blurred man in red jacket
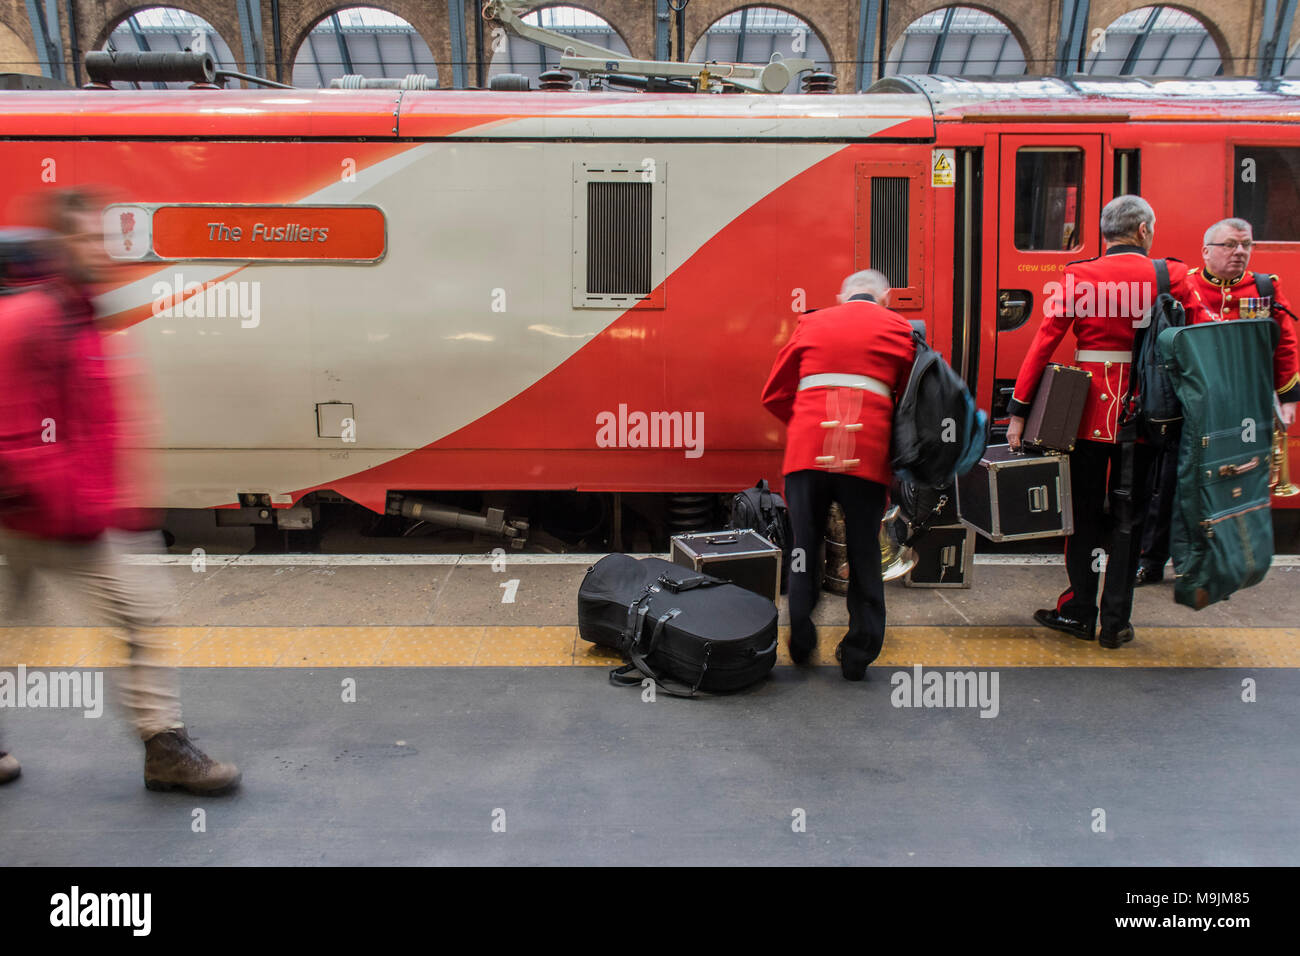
point(62, 468)
point(834, 385)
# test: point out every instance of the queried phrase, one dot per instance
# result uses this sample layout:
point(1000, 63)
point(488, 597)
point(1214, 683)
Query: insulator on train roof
point(510, 82)
point(555, 81)
point(818, 82)
point(105, 66)
point(355, 81)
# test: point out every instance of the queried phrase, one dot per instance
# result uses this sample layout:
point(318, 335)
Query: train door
point(1048, 206)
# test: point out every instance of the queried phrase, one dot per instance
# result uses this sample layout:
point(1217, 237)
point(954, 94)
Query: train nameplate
point(245, 233)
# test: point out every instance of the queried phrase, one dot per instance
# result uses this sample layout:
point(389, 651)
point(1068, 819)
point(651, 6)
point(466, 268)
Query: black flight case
point(1013, 497)
point(742, 557)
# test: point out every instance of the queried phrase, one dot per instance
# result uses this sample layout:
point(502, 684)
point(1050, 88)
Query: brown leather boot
point(171, 762)
point(10, 769)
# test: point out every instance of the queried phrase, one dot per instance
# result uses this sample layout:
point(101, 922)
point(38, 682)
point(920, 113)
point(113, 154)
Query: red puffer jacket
point(58, 432)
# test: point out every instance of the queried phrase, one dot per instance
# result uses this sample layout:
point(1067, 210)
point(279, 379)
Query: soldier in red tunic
point(834, 385)
point(1224, 290)
point(1102, 301)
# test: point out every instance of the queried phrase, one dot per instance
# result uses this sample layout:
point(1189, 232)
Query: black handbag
point(686, 631)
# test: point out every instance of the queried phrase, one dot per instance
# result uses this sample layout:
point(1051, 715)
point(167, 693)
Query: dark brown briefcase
point(1011, 497)
point(1053, 420)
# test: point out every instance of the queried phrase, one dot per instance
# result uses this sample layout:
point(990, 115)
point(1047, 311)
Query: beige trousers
point(123, 596)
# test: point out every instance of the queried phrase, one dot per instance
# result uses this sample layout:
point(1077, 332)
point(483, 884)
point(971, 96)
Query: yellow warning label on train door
point(943, 168)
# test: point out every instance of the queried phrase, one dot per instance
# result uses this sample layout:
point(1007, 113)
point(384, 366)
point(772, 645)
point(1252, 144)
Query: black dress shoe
point(1066, 625)
point(848, 673)
point(1148, 574)
point(800, 652)
point(1113, 639)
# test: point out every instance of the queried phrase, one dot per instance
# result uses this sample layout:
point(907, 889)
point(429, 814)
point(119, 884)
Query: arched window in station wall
point(1153, 41)
point(753, 34)
point(957, 41)
point(361, 40)
point(169, 30)
point(512, 55)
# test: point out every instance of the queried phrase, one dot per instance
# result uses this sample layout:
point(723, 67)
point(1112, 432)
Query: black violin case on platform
point(684, 630)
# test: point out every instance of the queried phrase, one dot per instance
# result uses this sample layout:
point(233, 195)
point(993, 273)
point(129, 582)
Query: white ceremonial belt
point(845, 380)
point(1094, 355)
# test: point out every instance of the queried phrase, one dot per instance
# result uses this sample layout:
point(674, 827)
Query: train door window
point(619, 256)
point(1049, 197)
point(890, 210)
point(1128, 172)
point(1266, 191)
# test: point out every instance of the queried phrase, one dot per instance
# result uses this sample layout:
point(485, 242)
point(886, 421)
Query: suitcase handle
point(723, 539)
point(1231, 471)
point(689, 584)
point(1038, 498)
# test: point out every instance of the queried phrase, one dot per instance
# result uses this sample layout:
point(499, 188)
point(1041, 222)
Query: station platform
point(485, 730)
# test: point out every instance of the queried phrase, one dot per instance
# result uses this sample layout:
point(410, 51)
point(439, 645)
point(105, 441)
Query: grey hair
point(1227, 224)
point(868, 280)
point(1122, 216)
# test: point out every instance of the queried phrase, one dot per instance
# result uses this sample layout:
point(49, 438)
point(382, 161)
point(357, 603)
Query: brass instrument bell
point(1279, 464)
point(895, 560)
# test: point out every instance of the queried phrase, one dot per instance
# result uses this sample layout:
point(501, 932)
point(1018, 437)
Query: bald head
point(871, 281)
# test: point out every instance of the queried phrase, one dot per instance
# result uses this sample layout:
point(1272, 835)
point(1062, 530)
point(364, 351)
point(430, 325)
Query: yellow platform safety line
point(493, 646)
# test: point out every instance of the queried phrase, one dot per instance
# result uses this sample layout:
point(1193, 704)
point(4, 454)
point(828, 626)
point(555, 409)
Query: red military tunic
point(831, 427)
point(1100, 300)
point(1222, 301)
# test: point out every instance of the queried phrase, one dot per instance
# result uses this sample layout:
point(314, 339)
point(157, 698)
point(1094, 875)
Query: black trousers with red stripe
point(809, 494)
point(1094, 477)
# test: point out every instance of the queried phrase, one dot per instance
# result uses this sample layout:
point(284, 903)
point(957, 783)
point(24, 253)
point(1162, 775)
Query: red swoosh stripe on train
point(547, 432)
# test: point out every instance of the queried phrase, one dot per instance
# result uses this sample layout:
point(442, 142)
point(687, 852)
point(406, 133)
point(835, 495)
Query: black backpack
point(761, 509)
point(939, 434)
point(1152, 405)
point(27, 256)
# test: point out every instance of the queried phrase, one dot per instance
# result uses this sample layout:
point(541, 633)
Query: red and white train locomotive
point(375, 292)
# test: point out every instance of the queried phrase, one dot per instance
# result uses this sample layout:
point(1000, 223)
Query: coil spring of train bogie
point(689, 513)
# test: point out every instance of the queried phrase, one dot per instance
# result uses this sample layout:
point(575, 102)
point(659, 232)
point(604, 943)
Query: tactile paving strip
point(501, 646)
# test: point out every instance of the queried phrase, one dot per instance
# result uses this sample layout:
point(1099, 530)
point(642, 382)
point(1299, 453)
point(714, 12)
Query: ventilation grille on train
point(889, 222)
point(619, 238)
